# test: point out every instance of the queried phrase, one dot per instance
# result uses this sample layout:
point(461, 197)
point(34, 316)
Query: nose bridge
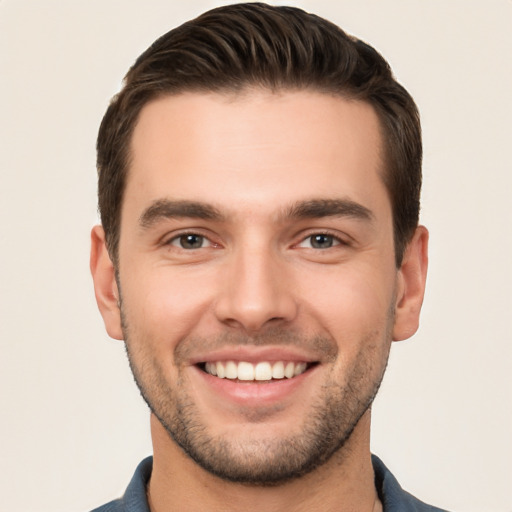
point(256, 289)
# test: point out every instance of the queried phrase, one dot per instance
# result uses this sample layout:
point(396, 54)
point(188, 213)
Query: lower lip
point(255, 392)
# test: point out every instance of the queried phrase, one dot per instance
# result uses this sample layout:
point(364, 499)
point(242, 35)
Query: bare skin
point(333, 487)
point(257, 228)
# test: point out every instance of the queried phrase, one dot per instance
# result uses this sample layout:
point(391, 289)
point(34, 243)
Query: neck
point(345, 482)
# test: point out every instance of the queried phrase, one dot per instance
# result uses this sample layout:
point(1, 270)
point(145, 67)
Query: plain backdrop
point(73, 426)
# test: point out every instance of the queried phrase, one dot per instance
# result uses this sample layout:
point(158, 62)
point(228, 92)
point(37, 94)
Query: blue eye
point(189, 241)
point(320, 241)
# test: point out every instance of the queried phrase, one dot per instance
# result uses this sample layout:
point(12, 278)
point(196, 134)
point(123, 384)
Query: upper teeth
point(260, 371)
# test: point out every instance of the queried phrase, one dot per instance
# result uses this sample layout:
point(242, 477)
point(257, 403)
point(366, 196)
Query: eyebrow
point(318, 208)
point(310, 209)
point(167, 209)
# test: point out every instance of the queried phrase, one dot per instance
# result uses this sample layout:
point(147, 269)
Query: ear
point(105, 286)
point(411, 285)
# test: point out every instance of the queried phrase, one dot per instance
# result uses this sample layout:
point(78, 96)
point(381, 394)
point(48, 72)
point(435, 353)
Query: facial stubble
point(269, 461)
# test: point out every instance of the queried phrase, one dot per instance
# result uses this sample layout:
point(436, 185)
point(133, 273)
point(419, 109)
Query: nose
point(256, 291)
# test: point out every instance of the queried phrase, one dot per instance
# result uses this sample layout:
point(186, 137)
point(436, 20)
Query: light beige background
point(73, 426)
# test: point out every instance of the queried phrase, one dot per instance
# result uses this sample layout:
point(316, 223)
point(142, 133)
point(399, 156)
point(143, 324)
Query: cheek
point(355, 309)
point(350, 303)
point(164, 306)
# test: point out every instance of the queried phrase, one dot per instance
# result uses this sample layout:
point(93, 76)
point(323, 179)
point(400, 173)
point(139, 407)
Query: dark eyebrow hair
point(317, 208)
point(310, 209)
point(168, 209)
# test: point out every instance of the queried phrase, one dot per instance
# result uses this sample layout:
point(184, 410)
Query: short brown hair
point(254, 44)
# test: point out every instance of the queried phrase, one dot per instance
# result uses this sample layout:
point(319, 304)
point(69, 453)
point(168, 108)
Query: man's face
point(257, 275)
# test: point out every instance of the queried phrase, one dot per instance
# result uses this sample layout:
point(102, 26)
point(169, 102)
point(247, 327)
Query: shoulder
point(393, 497)
point(134, 499)
point(113, 506)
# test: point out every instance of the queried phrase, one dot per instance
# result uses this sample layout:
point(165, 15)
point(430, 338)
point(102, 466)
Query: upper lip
point(254, 354)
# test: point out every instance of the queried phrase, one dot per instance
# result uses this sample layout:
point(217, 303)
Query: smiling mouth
point(261, 371)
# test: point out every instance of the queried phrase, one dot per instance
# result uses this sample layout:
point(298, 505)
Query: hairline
point(240, 92)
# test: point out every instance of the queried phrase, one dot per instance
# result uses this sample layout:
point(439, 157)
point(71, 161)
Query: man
point(259, 181)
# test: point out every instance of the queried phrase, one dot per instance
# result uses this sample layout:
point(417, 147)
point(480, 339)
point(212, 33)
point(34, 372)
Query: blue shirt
point(392, 496)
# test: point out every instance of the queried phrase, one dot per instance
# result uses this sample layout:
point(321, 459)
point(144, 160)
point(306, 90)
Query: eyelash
point(336, 240)
point(177, 241)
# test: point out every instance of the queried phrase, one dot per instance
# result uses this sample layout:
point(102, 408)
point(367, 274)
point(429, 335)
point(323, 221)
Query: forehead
point(256, 149)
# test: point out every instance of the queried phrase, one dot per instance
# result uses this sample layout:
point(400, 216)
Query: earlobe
point(105, 286)
point(411, 286)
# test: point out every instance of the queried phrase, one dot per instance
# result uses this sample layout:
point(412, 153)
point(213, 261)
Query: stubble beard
point(271, 461)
